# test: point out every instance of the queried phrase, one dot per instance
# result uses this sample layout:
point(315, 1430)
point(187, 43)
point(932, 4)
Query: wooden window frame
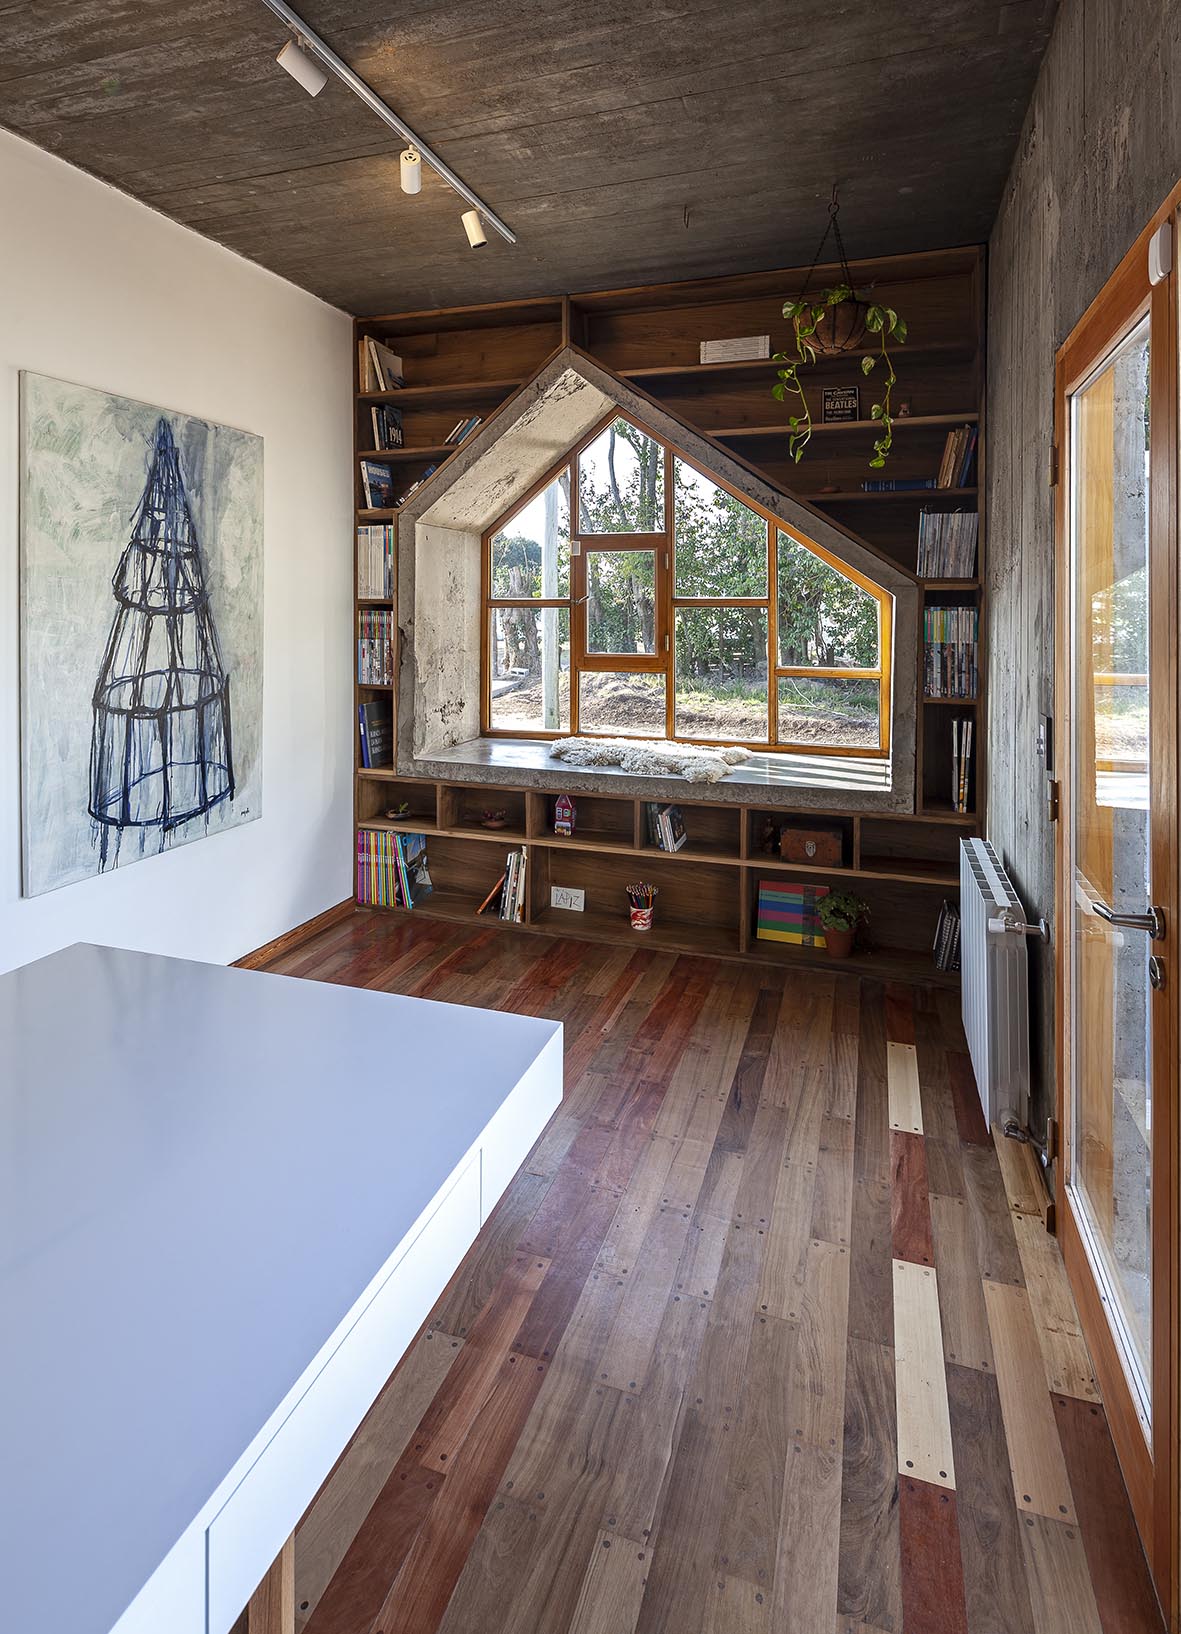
point(668, 604)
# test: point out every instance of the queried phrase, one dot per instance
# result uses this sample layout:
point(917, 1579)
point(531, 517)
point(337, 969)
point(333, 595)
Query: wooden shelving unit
point(472, 359)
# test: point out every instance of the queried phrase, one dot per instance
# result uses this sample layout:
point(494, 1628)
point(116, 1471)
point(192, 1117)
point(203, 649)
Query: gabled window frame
point(667, 605)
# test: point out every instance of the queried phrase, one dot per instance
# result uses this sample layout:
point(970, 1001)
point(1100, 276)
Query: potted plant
point(841, 913)
point(830, 322)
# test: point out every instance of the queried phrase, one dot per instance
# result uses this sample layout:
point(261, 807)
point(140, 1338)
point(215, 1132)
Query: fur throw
point(647, 759)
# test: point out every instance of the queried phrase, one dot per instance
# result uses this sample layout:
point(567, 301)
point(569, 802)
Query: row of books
point(958, 453)
point(377, 734)
point(947, 544)
point(961, 762)
point(950, 656)
point(392, 869)
point(508, 894)
point(377, 483)
point(666, 827)
point(375, 647)
point(463, 429)
point(381, 369)
point(386, 421)
point(946, 948)
point(375, 562)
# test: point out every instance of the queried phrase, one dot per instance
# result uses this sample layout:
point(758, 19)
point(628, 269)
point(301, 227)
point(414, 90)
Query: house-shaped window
point(632, 594)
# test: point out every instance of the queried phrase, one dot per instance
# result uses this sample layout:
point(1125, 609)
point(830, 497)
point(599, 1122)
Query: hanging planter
point(829, 323)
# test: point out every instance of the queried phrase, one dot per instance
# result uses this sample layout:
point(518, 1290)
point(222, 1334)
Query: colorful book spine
point(790, 913)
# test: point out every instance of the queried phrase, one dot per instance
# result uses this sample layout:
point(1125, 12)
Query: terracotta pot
point(838, 942)
point(841, 328)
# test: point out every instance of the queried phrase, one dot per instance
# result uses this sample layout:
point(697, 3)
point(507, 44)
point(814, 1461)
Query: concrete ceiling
point(625, 141)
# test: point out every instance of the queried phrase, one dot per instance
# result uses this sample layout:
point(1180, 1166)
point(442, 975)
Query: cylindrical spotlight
point(474, 228)
point(302, 69)
point(411, 171)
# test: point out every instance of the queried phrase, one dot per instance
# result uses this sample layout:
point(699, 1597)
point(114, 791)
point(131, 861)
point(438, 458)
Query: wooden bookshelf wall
point(471, 360)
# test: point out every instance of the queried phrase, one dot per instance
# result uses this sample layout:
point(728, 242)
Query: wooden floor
point(760, 1338)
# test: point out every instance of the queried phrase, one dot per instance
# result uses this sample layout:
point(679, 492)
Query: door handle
point(1152, 920)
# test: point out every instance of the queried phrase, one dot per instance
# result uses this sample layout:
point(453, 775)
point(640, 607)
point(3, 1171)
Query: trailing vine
point(884, 322)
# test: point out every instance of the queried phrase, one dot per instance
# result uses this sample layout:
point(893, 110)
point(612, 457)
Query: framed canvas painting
point(141, 630)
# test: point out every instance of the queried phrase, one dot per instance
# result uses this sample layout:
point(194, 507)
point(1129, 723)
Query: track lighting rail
point(324, 54)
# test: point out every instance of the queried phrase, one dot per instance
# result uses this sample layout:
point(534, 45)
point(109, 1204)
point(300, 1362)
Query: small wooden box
point(819, 847)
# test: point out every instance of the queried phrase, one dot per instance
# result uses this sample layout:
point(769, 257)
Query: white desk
point(227, 1202)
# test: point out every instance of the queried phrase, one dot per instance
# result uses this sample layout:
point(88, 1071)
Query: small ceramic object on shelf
point(564, 816)
point(495, 819)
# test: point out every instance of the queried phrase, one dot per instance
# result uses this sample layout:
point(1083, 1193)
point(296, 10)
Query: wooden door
point(1118, 932)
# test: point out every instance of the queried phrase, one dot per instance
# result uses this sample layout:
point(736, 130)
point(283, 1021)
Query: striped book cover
point(787, 913)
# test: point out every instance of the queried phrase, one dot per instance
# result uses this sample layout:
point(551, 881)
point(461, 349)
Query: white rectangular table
point(227, 1202)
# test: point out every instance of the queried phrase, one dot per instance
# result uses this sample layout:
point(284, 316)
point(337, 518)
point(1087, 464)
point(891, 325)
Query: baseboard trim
point(292, 938)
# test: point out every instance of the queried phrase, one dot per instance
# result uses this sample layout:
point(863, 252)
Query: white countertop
point(201, 1170)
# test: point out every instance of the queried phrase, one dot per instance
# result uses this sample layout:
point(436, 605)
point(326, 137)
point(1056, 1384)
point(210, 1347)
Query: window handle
point(1151, 920)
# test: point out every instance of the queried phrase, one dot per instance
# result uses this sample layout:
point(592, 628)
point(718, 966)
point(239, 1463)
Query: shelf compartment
point(901, 929)
point(696, 907)
point(462, 807)
point(759, 818)
point(713, 833)
point(909, 852)
point(381, 791)
point(600, 822)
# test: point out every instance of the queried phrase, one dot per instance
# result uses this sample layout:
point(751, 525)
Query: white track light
point(302, 69)
point(474, 228)
point(411, 171)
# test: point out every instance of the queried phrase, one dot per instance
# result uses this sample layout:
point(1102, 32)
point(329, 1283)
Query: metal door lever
point(1152, 920)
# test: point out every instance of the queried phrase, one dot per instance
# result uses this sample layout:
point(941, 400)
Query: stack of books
point(377, 734)
point(375, 647)
point(947, 544)
point(508, 893)
point(463, 428)
point(392, 869)
point(959, 451)
point(377, 481)
point(949, 669)
point(381, 369)
point(961, 762)
point(738, 349)
point(387, 425)
point(415, 486)
point(947, 938)
point(666, 827)
point(789, 913)
point(375, 562)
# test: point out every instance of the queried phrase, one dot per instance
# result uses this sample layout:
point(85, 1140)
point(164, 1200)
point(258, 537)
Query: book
point(381, 369)
point(959, 451)
point(947, 544)
point(666, 827)
point(377, 480)
point(790, 913)
point(897, 485)
point(387, 425)
point(392, 869)
point(375, 561)
point(946, 946)
point(463, 429)
point(962, 731)
point(493, 895)
point(738, 349)
point(377, 734)
point(950, 652)
point(512, 895)
point(375, 647)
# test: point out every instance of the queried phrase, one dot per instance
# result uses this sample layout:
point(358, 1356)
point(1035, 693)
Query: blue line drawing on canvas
point(161, 749)
point(141, 586)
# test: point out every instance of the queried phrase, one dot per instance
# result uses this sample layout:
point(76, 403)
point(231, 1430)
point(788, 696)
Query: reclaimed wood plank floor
point(757, 1339)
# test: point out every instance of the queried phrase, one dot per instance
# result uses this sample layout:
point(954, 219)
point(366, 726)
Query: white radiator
point(995, 982)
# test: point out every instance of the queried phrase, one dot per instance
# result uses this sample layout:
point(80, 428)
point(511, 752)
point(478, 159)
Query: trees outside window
point(677, 610)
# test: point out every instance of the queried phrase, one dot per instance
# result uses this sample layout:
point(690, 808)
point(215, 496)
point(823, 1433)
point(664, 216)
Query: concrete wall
point(98, 289)
point(1100, 149)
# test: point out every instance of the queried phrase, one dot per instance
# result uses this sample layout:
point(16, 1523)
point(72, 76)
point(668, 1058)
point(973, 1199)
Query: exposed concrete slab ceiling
point(624, 142)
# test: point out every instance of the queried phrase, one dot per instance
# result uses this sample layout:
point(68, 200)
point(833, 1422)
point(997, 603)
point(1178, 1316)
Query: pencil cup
point(641, 918)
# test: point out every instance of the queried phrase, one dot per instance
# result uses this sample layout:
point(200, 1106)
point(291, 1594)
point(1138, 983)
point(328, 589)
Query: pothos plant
point(810, 316)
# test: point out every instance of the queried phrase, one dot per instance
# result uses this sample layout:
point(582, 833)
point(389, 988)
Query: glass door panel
point(1110, 1175)
point(621, 603)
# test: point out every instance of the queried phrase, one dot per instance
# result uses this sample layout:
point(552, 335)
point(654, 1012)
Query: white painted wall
point(99, 289)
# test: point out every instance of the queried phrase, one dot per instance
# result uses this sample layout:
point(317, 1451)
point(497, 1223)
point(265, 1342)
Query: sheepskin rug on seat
point(645, 759)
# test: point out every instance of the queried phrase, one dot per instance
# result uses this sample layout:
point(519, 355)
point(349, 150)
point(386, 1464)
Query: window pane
point(531, 554)
point(824, 618)
point(529, 652)
point(829, 714)
point(721, 544)
point(621, 483)
point(621, 601)
point(721, 674)
point(621, 705)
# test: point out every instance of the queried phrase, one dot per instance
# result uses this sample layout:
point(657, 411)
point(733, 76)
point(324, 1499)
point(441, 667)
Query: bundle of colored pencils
point(641, 895)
